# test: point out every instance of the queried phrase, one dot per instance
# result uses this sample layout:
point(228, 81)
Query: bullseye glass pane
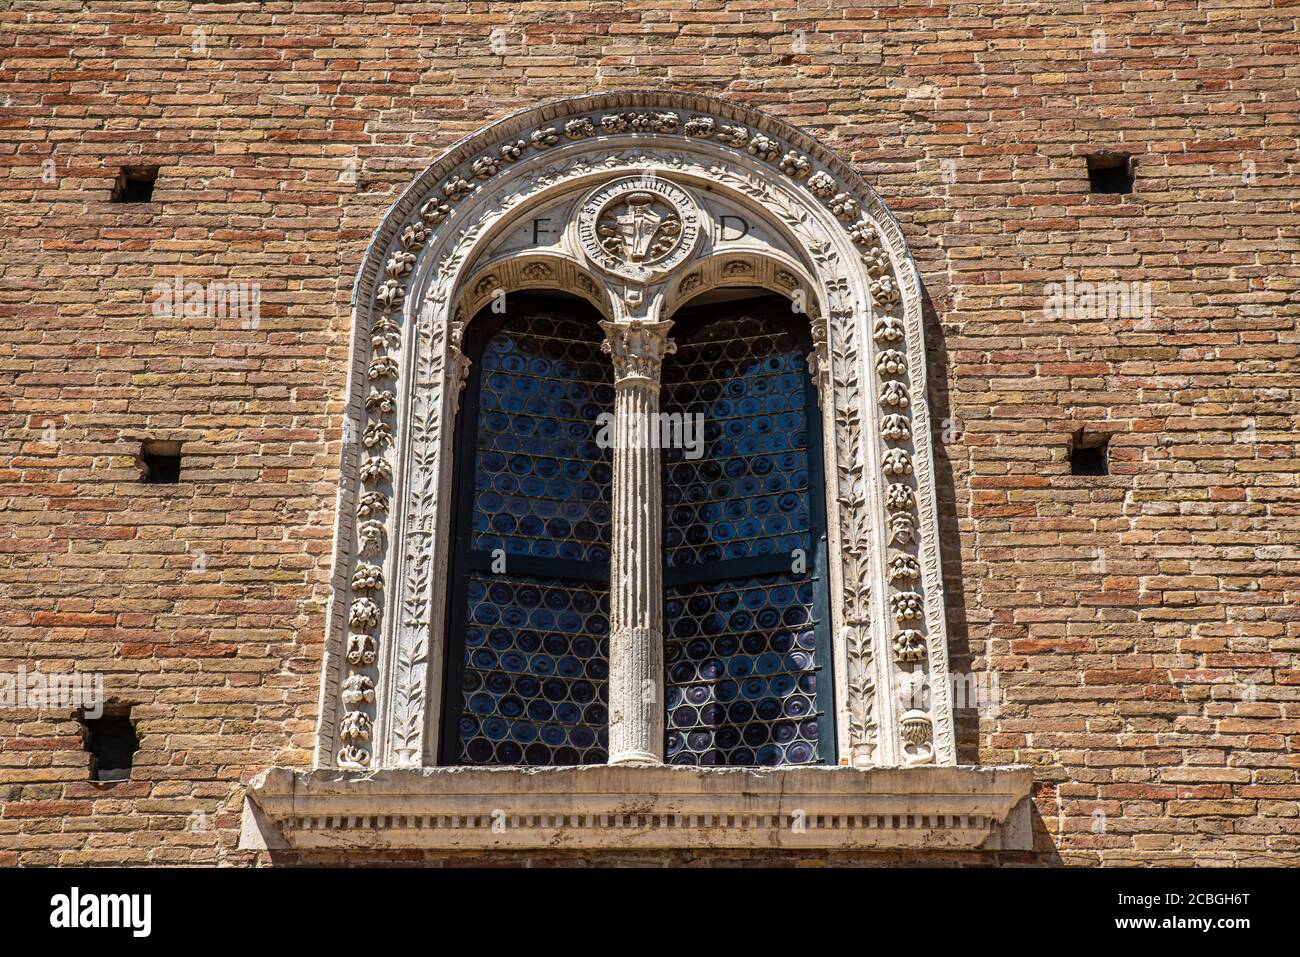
point(541, 481)
point(531, 619)
point(741, 661)
point(536, 672)
point(742, 655)
point(747, 494)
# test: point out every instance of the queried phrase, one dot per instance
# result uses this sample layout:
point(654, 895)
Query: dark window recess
point(112, 744)
point(1089, 454)
point(135, 184)
point(1110, 173)
point(161, 462)
point(528, 671)
point(747, 653)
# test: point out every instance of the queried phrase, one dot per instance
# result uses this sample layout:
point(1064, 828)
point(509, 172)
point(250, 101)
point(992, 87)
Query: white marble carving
point(635, 168)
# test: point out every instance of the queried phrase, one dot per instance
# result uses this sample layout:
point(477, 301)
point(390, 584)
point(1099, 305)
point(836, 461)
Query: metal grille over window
point(531, 582)
point(747, 644)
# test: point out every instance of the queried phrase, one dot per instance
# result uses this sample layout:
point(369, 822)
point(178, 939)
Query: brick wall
point(1142, 625)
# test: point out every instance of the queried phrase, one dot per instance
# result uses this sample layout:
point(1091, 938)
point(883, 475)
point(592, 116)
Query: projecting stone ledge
point(640, 806)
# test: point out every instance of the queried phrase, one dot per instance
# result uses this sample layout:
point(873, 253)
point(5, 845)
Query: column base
point(635, 757)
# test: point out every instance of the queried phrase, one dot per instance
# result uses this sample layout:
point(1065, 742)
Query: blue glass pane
point(741, 676)
point(536, 672)
point(741, 653)
point(536, 650)
point(747, 495)
point(541, 481)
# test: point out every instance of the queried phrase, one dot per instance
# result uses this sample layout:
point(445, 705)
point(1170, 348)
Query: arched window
point(747, 653)
point(473, 590)
point(747, 650)
point(528, 622)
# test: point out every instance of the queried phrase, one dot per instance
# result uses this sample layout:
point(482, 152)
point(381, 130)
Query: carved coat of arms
point(638, 228)
point(643, 231)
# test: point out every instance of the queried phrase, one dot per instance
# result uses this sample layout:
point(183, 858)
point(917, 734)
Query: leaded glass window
point(529, 618)
point(747, 654)
point(747, 640)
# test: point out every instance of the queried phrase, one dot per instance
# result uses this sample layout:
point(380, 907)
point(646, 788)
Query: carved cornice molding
point(631, 807)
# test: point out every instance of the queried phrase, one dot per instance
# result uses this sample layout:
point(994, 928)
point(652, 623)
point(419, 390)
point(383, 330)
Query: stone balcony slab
point(639, 807)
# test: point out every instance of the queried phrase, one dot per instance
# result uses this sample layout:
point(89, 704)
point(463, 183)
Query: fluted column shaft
point(636, 710)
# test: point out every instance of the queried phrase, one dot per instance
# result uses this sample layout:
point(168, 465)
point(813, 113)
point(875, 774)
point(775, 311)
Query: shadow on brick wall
point(960, 660)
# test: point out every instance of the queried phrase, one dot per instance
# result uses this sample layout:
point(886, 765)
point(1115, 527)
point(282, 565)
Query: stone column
point(636, 599)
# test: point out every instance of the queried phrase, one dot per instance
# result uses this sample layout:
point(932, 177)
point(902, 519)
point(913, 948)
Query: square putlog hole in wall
point(160, 462)
point(135, 184)
point(1110, 173)
point(112, 743)
point(1089, 454)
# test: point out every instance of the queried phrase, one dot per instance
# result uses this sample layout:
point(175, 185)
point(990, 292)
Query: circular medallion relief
point(639, 227)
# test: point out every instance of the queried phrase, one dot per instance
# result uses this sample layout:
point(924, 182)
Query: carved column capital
point(457, 364)
point(457, 375)
point(638, 348)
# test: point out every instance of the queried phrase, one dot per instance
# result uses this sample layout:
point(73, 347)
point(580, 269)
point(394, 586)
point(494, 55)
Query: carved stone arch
point(768, 270)
point(382, 670)
point(517, 273)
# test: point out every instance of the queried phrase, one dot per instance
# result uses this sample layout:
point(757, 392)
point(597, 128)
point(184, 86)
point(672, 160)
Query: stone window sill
point(640, 806)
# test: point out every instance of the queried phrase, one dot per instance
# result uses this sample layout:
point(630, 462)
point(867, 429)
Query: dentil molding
point(640, 807)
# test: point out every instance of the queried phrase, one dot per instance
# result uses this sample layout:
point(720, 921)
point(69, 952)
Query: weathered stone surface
point(636, 807)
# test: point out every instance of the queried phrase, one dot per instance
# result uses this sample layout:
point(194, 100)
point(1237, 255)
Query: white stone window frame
point(429, 267)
